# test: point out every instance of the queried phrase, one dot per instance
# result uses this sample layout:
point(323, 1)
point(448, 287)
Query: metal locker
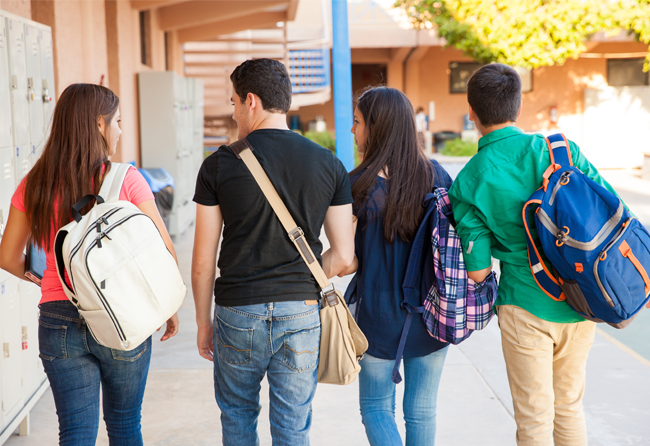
point(33, 373)
point(47, 75)
point(23, 158)
point(11, 354)
point(18, 80)
point(7, 187)
point(6, 138)
point(34, 85)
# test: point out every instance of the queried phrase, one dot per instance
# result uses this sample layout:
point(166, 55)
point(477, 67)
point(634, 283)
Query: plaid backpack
point(452, 305)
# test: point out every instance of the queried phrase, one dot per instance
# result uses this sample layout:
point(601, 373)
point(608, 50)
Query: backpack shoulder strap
point(113, 181)
point(558, 148)
point(543, 277)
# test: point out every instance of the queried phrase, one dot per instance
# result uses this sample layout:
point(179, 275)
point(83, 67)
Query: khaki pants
point(546, 370)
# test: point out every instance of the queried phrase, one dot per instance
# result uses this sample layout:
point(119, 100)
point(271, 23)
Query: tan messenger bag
point(342, 344)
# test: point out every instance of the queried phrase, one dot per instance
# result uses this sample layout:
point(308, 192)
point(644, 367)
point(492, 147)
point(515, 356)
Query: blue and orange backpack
point(599, 253)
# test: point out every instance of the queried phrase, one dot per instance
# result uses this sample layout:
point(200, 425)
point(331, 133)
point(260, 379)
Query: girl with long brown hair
point(85, 132)
point(388, 188)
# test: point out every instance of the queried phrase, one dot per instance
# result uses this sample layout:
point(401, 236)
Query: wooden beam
point(292, 9)
point(222, 27)
point(198, 12)
point(142, 5)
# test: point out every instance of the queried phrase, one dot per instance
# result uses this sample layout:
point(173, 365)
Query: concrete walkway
point(474, 406)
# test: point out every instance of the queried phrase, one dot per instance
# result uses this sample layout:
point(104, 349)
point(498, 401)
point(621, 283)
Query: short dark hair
point(494, 92)
point(266, 78)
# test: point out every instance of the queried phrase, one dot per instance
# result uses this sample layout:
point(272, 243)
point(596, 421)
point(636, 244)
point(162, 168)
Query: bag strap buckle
point(330, 296)
point(296, 234)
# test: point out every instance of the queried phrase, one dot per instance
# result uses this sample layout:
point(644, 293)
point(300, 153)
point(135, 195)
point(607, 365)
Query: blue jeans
point(377, 399)
point(76, 364)
point(280, 340)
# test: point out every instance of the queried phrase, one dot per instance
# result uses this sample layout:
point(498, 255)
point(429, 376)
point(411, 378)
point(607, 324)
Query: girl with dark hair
point(388, 189)
point(85, 131)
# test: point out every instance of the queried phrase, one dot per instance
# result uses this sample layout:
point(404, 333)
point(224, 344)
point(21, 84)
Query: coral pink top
point(135, 189)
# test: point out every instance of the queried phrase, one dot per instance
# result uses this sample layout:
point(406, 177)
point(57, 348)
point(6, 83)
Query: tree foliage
point(527, 33)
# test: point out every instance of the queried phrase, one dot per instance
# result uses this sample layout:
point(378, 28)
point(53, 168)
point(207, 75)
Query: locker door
point(23, 159)
point(18, 81)
point(33, 373)
point(10, 332)
point(34, 85)
point(6, 139)
point(47, 76)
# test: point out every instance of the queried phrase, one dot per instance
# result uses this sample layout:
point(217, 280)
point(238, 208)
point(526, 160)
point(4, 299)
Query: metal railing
point(309, 70)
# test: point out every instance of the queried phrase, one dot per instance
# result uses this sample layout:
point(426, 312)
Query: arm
point(13, 243)
point(355, 263)
point(150, 209)
point(475, 237)
point(340, 233)
point(204, 264)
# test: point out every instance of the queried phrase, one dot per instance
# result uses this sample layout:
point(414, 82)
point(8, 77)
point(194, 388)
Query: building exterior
point(600, 100)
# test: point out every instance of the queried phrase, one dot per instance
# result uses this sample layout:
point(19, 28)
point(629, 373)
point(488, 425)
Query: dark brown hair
point(391, 143)
point(71, 164)
point(266, 78)
point(494, 92)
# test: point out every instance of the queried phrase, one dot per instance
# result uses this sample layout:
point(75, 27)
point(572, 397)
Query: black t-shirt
point(258, 262)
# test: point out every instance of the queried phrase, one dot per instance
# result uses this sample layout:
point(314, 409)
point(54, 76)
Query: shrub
point(458, 147)
point(325, 139)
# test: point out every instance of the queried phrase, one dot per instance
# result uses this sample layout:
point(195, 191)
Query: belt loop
point(270, 307)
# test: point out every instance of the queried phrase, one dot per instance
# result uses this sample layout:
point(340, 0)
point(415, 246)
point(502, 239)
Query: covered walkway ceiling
point(197, 20)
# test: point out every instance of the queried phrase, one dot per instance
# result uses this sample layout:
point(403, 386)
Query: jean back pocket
point(233, 344)
point(301, 348)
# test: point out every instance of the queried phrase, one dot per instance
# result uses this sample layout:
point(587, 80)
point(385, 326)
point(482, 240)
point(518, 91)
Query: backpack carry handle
point(85, 201)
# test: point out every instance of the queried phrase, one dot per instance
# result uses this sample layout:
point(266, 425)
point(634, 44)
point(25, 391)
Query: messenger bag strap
point(244, 151)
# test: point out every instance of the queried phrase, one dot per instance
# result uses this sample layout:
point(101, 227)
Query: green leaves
point(527, 33)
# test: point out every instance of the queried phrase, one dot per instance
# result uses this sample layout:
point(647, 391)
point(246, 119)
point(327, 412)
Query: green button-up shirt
point(488, 197)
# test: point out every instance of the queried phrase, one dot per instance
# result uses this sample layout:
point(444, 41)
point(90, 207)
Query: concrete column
point(412, 75)
point(395, 68)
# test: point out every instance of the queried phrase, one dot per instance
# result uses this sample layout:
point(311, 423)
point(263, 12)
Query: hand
point(172, 327)
point(204, 342)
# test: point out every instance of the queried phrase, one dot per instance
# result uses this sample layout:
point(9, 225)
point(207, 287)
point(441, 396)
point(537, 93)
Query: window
point(626, 72)
point(460, 72)
point(145, 38)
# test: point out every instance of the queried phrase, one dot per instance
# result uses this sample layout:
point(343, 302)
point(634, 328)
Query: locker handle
point(5, 350)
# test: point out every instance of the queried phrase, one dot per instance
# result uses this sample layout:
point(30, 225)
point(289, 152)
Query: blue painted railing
point(310, 70)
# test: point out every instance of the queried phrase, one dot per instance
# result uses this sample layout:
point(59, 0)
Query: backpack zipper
point(564, 176)
point(107, 306)
point(76, 249)
point(602, 235)
point(597, 262)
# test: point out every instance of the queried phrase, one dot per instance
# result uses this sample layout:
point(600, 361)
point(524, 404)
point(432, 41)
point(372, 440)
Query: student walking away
point(545, 342)
point(85, 131)
point(389, 188)
point(266, 321)
point(421, 125)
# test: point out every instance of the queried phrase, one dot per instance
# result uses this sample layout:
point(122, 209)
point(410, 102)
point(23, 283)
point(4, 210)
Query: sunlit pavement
point(474, 406)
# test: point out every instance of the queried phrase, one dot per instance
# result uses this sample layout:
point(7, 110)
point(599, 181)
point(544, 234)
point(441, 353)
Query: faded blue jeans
point(280, 340)
point(76, 365)
point(377, 399)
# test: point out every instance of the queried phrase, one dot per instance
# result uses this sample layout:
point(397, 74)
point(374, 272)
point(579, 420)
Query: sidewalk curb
point(623, 347)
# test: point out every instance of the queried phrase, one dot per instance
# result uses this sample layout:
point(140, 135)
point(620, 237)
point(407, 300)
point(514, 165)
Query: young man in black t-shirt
point(266, 320)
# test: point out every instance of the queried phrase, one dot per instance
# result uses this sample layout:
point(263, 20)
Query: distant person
point(421, 125)
point(85, 131)
point(545, 342)
point(388, 190)
point(267, 320)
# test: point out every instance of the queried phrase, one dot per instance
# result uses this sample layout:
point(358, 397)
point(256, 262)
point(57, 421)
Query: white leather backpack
point(122, 278)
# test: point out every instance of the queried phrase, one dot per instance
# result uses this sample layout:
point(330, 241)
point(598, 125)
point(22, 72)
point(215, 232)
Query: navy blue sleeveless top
point(382, 266)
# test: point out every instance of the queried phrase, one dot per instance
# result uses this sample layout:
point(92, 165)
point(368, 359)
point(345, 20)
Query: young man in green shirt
point(545, 342)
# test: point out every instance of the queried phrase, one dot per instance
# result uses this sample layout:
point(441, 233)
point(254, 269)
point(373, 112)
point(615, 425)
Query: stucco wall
point(22, 8)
